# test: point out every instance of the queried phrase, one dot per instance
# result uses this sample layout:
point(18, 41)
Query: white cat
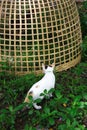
point(46, 83)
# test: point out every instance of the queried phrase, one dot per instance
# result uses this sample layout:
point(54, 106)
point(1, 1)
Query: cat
point(46, 83)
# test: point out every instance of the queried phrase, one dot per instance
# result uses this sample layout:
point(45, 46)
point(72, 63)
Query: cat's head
point(48, 68)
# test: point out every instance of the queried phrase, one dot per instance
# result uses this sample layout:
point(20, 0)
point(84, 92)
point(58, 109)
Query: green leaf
point(51, 90)
point(27, 127)
point(42, 94)
point(38, 100)
point(68, 122)
point(85, 103)
point(58, 94)
point(31, 112)
point(45, 91)
point(47, 110)
point(11, 108)
point(85, 96)
point(76, 100)
point(81, 104)
point(54, 112)
point(51, 121)
point(20, 107)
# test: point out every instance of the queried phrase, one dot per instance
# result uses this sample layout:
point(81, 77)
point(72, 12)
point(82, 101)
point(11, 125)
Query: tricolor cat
point(46, 83)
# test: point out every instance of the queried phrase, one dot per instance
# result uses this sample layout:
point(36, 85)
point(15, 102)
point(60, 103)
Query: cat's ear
point(53, 65)
point(43, 67)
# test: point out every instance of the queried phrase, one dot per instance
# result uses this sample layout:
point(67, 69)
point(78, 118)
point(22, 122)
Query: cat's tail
point(27, 100)
point(27, 97)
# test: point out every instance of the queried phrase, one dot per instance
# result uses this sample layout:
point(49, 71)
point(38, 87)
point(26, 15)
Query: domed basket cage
point(36, 31)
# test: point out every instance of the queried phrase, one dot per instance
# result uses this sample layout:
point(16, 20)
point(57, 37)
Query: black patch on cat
point(30, 93)
point(46, 66)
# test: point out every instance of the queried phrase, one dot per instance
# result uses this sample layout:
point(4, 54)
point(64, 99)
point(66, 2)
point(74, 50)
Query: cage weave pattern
point(36, 31)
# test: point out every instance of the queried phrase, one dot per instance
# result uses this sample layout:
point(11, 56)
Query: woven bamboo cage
point(36, 31)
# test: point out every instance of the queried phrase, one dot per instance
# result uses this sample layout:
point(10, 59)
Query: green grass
point(66, 110)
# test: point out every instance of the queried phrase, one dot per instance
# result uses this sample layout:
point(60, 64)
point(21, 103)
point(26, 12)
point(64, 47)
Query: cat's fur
point(46, 83)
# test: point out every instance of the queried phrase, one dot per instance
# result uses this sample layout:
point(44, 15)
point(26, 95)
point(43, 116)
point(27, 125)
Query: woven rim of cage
point(36, 31)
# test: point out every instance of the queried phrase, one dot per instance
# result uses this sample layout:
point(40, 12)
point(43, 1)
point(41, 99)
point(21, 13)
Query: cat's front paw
point(38, 107)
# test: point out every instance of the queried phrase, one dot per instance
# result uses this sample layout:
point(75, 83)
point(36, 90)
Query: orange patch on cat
point(26, 100)
point(27, 97)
